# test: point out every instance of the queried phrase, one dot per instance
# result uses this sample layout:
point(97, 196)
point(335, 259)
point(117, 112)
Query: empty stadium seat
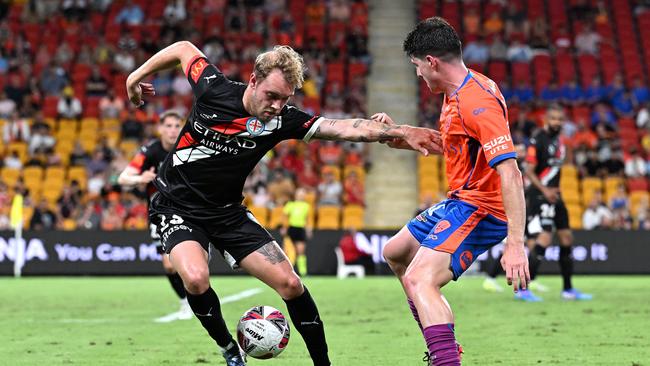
point(328, 218)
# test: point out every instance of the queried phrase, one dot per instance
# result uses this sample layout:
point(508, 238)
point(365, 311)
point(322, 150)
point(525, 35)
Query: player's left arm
point(366, 130)
point(514, 260)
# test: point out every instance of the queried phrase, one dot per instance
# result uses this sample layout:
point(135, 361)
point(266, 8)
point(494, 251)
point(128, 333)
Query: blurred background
point(68, 129)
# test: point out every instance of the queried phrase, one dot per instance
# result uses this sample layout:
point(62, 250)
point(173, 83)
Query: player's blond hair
point(286, 60)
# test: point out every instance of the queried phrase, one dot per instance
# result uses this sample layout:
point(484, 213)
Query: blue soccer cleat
point(233, 355)
point(527, 296)
point(575, 295)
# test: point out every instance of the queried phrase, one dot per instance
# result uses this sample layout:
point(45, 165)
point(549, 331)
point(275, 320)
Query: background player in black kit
point(230, 128)
point(140, 172)
point(546, 210)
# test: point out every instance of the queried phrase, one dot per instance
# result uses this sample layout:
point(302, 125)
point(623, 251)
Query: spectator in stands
point(329, 189)
point(572, 93)
point(308, 178)
point(581, 10)
point(472, 22)
point(64, 54)
point(615, 164)
point(7, 105)
point(539, 36)
point(74, 9)
point(584, 136)
point(354, 254)
point(131, 128)
point(315, 12)
point(524, 93)
point(67, 205)
point(97, 164)
point(89, 215)
point(640, 92)
point(260, 197)
point(623, 105)
point(357, 45)
point(130, 14)
point(280, 188)
point(643, 117)
point(498, 49)
point(124, 60)
point(79, 156)
point(519, 52)
point(562, 39)
point(16, 89)
point(597, 215)
point(43, 217)
point(53, 80)
point(96, 85)
point(330, 153)
point(588, 41)
point(180, 86)
point(619, 206)
point(353, 190)
point(642, 215)
point(41, 140)
point(616, 88)
point(15, 129)
point(592, 167)
point(596, 92)
point(103, 52)
point(12, 160)
point(493, 25)
point(476, 52)
point(516, 23)
point(550, 93)
point(339, 10)
point(69, 106)
point(175, 12)
point(113, 216)
point(603, 115)
point(635, 165)
point(137, 214)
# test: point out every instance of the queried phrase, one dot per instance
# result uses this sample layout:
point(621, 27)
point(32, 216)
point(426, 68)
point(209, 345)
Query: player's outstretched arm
point(514, 260)
point(131, 176)
point(182, 52)
point(400, 143)
point(366, 130)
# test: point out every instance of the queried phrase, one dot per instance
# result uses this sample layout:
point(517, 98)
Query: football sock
point(441, 342)
point(414, 311)
point(207, 309)
point(495, 267)
point(535, 258)
point(177, 284)
point(566, 266)
point(305, 318)
point(301, 264)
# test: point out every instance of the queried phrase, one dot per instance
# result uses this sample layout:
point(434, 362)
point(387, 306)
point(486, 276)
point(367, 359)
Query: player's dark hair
point(170, 113)
point(434, 37)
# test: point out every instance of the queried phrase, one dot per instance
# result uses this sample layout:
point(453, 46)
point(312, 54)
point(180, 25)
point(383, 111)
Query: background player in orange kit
point(485, 199)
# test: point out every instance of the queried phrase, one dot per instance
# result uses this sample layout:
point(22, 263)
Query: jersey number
point(176, 220)
point(548, 210)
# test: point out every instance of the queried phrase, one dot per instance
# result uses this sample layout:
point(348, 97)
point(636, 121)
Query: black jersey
point(221, 143)
point(151, 155)
point(548, 154)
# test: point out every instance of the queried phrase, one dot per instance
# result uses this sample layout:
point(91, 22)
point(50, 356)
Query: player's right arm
point(183, 53)
point(134, 174)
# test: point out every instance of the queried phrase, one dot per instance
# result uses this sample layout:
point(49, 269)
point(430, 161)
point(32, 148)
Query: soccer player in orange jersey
point(485, 202)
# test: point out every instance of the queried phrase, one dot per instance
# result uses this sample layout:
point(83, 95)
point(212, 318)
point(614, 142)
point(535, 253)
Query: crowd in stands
point(592, 57)
point(68, 130)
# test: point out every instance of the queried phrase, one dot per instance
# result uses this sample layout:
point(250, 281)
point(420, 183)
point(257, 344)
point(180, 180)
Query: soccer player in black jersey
point(546, 210)
point(140, 172)
point(230, 128)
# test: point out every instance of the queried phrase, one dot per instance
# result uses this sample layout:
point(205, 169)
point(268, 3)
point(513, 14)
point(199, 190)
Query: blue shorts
point(460, 229)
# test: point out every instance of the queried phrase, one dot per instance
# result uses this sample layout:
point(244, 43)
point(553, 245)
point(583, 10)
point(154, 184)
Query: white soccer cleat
point(167, 318)
point(185, 312)
point(491, 285)
point(536, 286)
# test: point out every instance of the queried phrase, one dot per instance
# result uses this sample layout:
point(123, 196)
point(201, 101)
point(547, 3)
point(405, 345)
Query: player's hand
point(551, 194)
point(515, 264)
point(135, 91)
point(436, 141)
point(147, 176)
point(424, 140)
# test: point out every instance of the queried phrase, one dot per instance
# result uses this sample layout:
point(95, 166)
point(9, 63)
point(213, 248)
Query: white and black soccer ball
point(263, 332)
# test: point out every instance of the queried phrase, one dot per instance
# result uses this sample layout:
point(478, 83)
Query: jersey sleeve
point(139, 160)
point(202, 76)
point(485, 119)
point(298, 124)
point(532, 153)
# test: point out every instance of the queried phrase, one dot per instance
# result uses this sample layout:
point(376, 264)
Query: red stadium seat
point(520, 72)
point(336, 72)
point(498, 71)
point(588, 68)
point(50, 106)
point(637, 184)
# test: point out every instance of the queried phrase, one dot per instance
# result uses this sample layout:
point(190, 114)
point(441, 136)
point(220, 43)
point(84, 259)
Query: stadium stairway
point(391, 185)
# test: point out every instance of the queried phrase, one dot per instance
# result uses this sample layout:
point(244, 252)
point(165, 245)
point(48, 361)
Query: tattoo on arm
point(357, 123)
point(272, 253)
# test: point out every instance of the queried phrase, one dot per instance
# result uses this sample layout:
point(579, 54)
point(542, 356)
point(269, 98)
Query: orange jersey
point(476, 136)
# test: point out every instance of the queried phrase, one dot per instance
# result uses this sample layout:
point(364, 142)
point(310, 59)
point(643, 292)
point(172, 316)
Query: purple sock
point(442, 345)
point(414, 311)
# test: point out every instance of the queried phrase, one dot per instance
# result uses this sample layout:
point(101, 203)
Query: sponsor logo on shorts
point(466, 259)
point(441, 226)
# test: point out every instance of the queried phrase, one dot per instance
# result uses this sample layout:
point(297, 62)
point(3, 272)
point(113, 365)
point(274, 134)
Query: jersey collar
point(469, 76)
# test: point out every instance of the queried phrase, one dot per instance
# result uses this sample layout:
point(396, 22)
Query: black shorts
point(231, 229)
point(297, 234)
point(542, 215)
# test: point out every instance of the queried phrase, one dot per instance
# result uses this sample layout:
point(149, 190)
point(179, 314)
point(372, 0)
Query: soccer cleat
point(574, 294)
point(185, 312)
point(167, 318)
point(536, 286)
point(491, 285)
point(234, 355)
point(527, 296)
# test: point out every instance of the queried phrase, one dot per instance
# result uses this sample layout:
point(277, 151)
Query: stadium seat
point(261, 214)
point(328, 218)
point(78, 173)
point(345, 270)
point(10, 176)
point(637, 184)
point(20, 148)
point(277, 217)
point(353, 217)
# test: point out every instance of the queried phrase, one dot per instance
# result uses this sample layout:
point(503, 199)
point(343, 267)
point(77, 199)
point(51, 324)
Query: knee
point(290, 287)
point(196, 280)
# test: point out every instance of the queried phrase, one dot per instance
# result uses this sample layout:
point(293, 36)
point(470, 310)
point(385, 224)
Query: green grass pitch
point(108, 321)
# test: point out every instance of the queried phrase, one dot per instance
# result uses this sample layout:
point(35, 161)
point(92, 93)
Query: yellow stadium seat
point(361, 173)
point(612, 183)
point(88, 144)
point(28, 212)
point(89, 123)
point(575, 222)
point(20, 148)
point(32, 173)
point(568, 171)
point(261, 214)
point(277, 217)
point(52, 194)
point(129, 148)
point(328, 218)
point(592, 184)
point(68, 124)
point(336, 171)
point(10, 176)
point(569, 183)
point(310, 197)
point(353, 217)
point(78, 173)
point(66, 135)
point(636, 198)
point(110, 124)
point(52, 122)
point(55, 172)
point(69, 225)
point(571, 195)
